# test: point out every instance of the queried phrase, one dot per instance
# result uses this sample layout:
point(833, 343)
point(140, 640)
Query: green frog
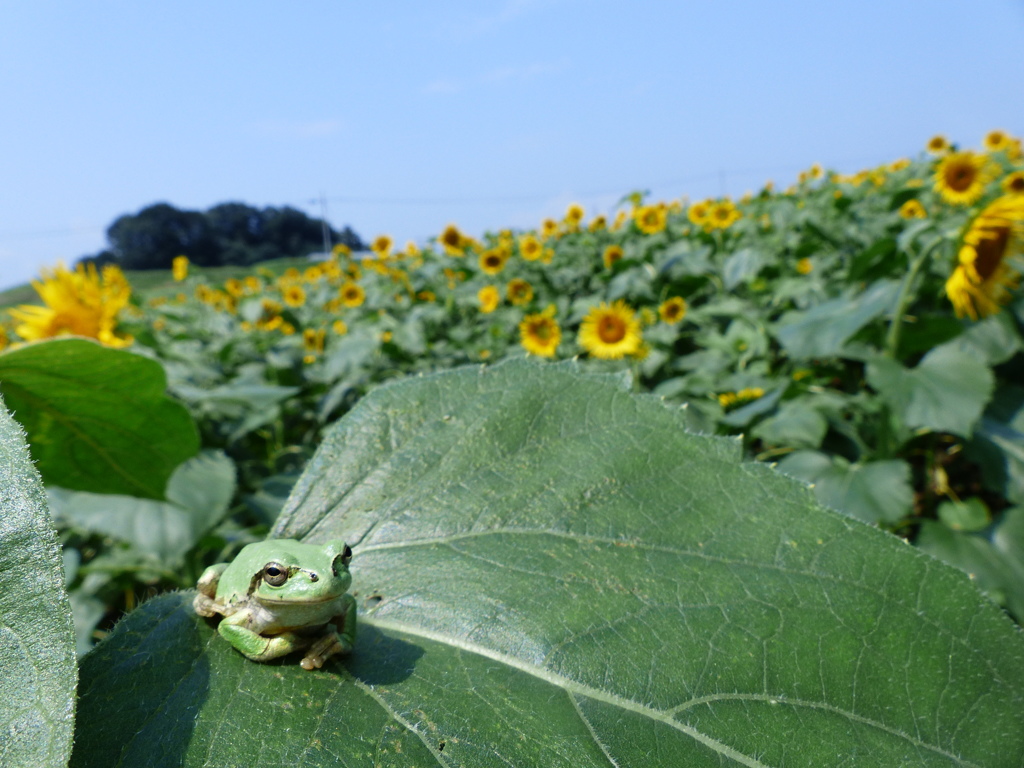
point(279, 596)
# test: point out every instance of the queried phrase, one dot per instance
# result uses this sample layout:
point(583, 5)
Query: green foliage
point(946, 392)
point(551, 571)
point(229, 233)
point(98, 419)
point(36, 639)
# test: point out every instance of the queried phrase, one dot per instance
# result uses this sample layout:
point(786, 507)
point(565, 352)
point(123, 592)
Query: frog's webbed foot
point(206, 606)
point(328, 645)
point(207, 584)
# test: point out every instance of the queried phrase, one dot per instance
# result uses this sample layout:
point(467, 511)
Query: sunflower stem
point(892, 338)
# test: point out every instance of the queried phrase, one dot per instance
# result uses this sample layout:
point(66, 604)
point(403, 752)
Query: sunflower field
point(859, 333)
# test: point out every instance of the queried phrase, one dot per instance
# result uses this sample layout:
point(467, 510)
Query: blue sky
point(408, 116)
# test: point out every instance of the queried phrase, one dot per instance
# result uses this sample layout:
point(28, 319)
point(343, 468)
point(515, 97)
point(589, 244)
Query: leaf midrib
point(819, 575)
point(574, 688)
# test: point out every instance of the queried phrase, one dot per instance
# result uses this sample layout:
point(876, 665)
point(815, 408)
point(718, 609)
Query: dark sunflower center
point(991, 251)
point(611, 329)
point(960, 177)
point(542, 330)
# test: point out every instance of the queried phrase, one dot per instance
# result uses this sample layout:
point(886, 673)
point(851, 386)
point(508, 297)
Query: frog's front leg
point(256, 646)
point(205, 603)
point(339, 637)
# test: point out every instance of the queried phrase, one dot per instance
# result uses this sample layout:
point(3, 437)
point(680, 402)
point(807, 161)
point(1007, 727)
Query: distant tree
point(292, 231)
point(99, 260)
point(228, 233)
point(348, 237)
point(155, 235)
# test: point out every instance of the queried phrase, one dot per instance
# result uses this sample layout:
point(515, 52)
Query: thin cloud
point(523, 72)
point(442, 86)
point(495, 77)
point(300, 129)
point(509, 11)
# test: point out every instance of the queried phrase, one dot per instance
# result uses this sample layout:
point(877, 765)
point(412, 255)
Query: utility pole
point(323, 224)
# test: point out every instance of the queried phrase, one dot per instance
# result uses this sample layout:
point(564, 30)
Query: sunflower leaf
point(946, 392)
point(37, 641)
point(822, 330)
point(874, 491)
point(551, 571)
point(97, 419)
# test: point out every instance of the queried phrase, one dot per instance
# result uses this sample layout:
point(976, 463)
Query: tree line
point(228, 233)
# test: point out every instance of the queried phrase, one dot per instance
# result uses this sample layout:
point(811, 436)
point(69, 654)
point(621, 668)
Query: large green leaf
point(199, 492)
point(37, 642)
point(551, 572)
point(873, 491)
point(995, 562)
point(946, 392)
point(98, 419)
point(823, 330)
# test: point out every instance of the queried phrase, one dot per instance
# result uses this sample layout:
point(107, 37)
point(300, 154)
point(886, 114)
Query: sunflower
point(997, 141)
point(961, 177)
point(722, 215)
point(540, 334)
point(574, 214)
point(313, 340)
point(938, 145)
point(610, 332)
point(598, 223)
point(672, 310)
point(698, 212)
point(489, 298)
point(78, 303)
point(985, 275)
point(549, 229)
point(519, 292)
point(234, 286)
point(805, 266)
point(352, 294)
point(312, 274)
point(530, 247)
point(493, 261)
point(912, 209)
point(453, 241)
point(294, 295)
point(341, 250)
point(612, 254)
point(650, 219)
point(411, 250)
point(252, 284)
point(179, 268)
point(339, 327)
point(1013, 183)
point(382, 245)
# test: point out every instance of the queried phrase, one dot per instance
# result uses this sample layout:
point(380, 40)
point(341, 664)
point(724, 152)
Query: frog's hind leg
point(339, 637)
point(258, 647)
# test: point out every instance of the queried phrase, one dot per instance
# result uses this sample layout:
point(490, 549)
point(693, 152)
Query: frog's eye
point(275, 574)
point(341, 560)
